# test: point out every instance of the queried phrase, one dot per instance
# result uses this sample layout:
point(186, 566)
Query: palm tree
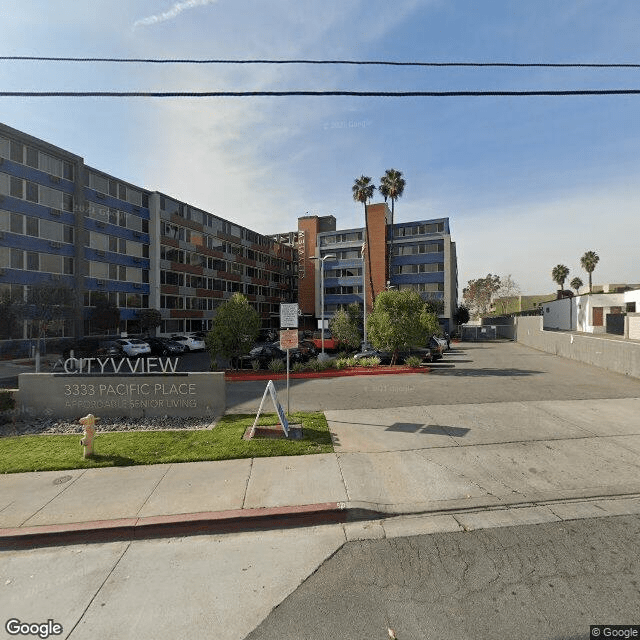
point(362, 190)
point(588, 262)
point(559, 274)
point(576, 283)
point(391, 186)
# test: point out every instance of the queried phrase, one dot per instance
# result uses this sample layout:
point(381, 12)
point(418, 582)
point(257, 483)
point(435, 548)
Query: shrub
point(299, 367)
point(7, 401)
point(342, 363)
point(275, 365)
point(255, 365)
point(369, 362)
point(413, 361)
point(315, 365)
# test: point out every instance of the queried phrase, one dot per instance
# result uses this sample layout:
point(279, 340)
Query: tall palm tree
point(391, 186)
point(362, 190)
point(588, 262)
point(576, 283)
point(559, 274)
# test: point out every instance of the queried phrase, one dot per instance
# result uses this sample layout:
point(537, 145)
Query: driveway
point(470, 373)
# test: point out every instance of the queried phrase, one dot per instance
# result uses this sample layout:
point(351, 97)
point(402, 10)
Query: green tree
point(9, 304)
point(345, 325)
point(149, 319)
point(362, 191)
point(234, 330)
point(105, 316)
point(479, 293)
point(588, 262)
point(400, 320)
point(45, 305)
point(391, 186)
point(576, 283)
point(461, 315)
point(559, 274)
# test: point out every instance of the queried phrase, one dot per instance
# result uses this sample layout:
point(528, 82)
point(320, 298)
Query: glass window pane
point(17, 259)
point(16, 187)
point(50, 263)
point(32, 191)
point(16, 223)
point(33, 261)
point(16, 151)
point(32, 157)
point(32, 226)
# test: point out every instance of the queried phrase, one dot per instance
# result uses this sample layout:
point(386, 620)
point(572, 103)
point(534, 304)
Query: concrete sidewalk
point(414, 460)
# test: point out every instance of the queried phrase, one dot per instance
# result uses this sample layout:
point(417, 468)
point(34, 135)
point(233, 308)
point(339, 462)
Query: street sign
point(288, 339)
point(289, 316)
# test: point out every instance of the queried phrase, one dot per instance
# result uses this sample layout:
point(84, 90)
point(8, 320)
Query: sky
point(526, 182)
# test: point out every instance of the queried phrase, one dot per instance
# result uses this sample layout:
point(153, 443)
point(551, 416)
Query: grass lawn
point(223, 442)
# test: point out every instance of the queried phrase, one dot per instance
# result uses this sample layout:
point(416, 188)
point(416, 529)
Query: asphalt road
point(470, 373)
point(546, 581)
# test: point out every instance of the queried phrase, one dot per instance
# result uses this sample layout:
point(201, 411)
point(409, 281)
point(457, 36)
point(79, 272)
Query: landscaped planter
point(239, 376)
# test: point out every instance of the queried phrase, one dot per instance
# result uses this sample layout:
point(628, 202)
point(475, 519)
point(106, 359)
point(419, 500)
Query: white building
point(592, 313)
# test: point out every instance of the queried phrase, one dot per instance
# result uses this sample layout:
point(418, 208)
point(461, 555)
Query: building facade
point(416, 255)
point(67, 224)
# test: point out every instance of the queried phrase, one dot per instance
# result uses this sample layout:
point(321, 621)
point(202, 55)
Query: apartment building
point(417, 255)
point(65, 223)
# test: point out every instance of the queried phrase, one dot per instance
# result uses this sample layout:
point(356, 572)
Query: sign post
point(288, 334)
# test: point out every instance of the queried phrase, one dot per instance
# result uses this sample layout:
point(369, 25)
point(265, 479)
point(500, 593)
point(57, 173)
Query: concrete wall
point(632, 329)
point(615, 355)
point(182, 395)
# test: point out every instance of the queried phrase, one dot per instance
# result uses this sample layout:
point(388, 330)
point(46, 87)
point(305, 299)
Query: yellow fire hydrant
point(89, 434)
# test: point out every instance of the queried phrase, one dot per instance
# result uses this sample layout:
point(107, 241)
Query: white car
point(133, 347)
point(191, 343)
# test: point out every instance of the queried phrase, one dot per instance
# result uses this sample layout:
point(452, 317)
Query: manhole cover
point(62, 479)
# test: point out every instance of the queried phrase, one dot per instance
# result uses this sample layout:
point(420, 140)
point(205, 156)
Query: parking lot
point(469, 373)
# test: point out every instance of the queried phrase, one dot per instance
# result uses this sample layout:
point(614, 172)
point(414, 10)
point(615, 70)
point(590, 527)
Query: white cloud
point(175, 11)
point(528, 240)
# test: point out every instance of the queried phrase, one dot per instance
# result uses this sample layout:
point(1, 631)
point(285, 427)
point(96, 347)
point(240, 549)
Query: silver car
point(132, 347)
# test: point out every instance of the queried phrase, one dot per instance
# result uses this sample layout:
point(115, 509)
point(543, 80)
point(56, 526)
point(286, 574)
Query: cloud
point(175, 11)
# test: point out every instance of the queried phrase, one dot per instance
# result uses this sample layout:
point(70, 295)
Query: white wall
point(560, 314)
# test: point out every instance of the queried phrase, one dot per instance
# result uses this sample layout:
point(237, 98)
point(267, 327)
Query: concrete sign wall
point(59, 395)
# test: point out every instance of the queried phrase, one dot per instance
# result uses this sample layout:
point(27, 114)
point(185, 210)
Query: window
point(16, 152)
point(99, 270)
point(33, 261)
point(32, 226)
point(32, 157)
point(16, 223)
point(16, 190)
point(17, 259)
point(32, 191)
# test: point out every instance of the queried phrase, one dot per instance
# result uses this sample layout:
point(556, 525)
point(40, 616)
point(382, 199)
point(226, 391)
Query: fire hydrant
point(88, 422)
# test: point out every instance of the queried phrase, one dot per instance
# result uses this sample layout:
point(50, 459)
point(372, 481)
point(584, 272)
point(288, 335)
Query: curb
point(323, 374)
point(187, 524)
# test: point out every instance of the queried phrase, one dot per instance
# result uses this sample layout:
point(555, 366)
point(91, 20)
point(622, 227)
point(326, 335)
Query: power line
point(394, 63)
point(245, 94)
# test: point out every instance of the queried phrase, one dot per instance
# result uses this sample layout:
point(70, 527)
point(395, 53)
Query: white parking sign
point(288, 316)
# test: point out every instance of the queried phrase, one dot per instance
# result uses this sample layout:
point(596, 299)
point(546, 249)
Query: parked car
point(132, 347)
point(263, 353)
point(386, 356)
point(191, 342)
point(165, 347)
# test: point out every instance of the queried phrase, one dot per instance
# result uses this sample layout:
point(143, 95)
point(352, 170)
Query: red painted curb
point(208, 522)
point(231, 376)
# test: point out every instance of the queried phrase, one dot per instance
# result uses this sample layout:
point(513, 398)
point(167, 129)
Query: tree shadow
point(479, 373)
point(116, 461)
point(432, 429)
